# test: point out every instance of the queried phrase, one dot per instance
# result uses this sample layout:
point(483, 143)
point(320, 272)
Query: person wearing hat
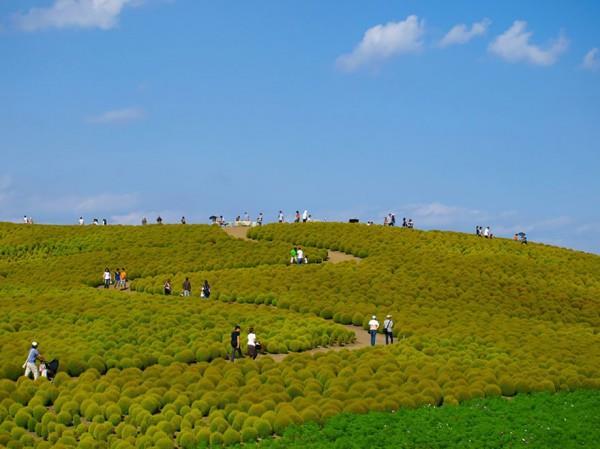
point(388, 326)
point(373, 326)
point(29, 365)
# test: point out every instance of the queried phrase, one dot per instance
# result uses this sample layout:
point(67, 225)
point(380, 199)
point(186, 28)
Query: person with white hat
point(29, 365)
point(388, 326)
point(373, 326)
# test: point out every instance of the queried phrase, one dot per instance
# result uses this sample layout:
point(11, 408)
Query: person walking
point(117, 278)
point(300, 256)
point(29, 365)
point(252, 352)
point(373, 326)
point(259, 220)
point(183, 220)
point(187, 287)
point(123, 279)
point(388, 326)
point(107, 278)
point(167, 287)
point(205, 293)
point(297, 217)
point(280, 217)
point(235, 343)
point(304, 216)
point(293, 255)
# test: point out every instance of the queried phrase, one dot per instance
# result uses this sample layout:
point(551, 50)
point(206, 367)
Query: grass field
point(476, 320)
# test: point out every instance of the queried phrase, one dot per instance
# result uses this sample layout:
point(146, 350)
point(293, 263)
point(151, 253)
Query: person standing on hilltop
point(81, 221)
point(388, 326)
point(280, 217)
point(183, 220)
point(187, 287)
point(259, 220)
point(297, 217)
point(373, 326)
point(304, 216)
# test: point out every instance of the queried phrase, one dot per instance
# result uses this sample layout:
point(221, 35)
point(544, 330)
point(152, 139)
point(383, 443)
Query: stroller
point(49, 369)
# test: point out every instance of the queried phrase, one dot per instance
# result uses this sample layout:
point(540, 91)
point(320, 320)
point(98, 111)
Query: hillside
point(474, 318)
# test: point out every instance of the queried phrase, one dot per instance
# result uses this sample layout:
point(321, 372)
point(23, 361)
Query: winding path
point(241, 232)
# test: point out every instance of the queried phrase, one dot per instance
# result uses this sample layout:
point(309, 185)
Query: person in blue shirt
point(29, 365)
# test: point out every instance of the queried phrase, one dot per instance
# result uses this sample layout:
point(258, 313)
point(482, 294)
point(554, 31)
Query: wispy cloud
point(442, 215)
point(118, 116)
point(460, 34)
point(513, 46)
point(591, 61)
point(382, 42)
point(102, 14)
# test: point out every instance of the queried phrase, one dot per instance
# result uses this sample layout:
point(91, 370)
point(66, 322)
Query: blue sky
point(131, 108)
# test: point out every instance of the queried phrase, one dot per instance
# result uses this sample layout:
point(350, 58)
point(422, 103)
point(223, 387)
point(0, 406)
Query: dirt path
point(241, 232)
point(363, 340)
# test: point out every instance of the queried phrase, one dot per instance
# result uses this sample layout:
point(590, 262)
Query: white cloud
point(382, 42)
point(591, 61)
point(513, 46)
point(103, 14)
point(118, 116)
point(437, 214)
point(460, 34)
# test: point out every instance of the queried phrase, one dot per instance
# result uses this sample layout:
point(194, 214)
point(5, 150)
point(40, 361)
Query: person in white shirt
point(280, 218)
point(373, 326)
point(107, 278)
point(388, 326)
point(304, 216)
point(81, 222)
point(486, 232)
point(25, 219)
point(252, 352)
point(300, 256)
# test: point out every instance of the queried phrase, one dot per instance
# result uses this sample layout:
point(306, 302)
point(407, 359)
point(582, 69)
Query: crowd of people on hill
point(118, 279)
point(486, 232)
point(390, 220)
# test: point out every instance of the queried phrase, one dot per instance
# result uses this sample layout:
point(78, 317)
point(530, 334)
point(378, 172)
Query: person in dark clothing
point(187, 287)
point(235, 343)
point(205, 290)
point(167, 287)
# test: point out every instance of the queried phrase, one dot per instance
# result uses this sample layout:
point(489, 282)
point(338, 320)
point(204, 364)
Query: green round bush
point(249, 434)
point(216, 439)
point(231, 436)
